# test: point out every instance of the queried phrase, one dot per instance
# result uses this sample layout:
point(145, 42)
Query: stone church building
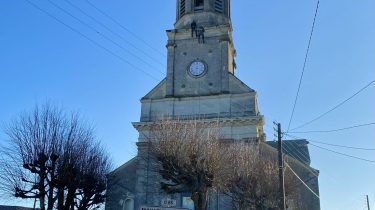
point(200, 83)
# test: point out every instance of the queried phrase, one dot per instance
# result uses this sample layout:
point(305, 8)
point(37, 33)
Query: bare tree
point(250, 174)
point(192, 157)
point(54, 158)
point(189, 156)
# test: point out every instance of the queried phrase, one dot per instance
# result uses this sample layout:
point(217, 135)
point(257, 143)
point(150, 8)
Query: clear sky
point(42, 59)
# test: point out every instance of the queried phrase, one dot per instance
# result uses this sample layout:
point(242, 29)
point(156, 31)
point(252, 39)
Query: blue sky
point(41, 59)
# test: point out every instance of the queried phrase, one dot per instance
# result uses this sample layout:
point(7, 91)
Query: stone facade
point(200, 84)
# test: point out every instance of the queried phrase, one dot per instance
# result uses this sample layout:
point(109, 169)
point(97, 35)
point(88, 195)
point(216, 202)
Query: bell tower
point(206, 9)
point(200, 81)
point(200, 49)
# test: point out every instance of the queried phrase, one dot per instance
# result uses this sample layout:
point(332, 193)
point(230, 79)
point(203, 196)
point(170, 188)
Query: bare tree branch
point(50, 156)
point(188, 157)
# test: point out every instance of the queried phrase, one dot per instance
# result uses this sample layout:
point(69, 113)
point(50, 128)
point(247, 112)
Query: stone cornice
point(229, 95)
point(254, 120)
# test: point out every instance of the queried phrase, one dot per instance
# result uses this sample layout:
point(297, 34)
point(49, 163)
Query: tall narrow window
point(219, 6)
point(198, 5)
point(182, 8)
point(128, 204)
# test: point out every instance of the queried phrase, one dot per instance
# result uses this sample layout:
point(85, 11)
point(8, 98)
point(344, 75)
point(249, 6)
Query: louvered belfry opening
point(219, 6)
point(182, 9)
point(216, 12)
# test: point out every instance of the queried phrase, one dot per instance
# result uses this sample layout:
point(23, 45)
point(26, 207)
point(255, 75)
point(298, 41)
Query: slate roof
point(297, 149)
point(122, 182)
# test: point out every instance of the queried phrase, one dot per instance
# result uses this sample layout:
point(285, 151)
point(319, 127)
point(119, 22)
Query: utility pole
point(368, 203)
point(281, 168)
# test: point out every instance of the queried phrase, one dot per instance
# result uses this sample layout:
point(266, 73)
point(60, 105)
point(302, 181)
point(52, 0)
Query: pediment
point(237, 86)
point(158, 92)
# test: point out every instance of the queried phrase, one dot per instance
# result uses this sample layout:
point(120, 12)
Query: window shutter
point(182, 7)
point(219, 6)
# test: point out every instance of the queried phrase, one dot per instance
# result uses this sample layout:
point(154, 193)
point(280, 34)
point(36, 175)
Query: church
point(200, 83)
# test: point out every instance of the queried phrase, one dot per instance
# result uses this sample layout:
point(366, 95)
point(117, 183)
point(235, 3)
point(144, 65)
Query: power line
point(91, 40)
point(113, 32)
point(343, 154)
point(343, 146)
point(123, 27)
point(296, 153)
point(335, 107)
point(101, 34)
point(335, 130)
point(292, 153)
point(307, 167)
point(304, 64)
point(336, 145)
point(312, 191)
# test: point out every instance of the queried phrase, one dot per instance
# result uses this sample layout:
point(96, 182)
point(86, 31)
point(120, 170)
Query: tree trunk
point(69, 198)
point(52, 185)
point(42, 203)
point(60, 198)
point(42, 192)
point(200, 199)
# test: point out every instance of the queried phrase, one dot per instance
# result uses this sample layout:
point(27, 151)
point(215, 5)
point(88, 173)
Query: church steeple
point(207, 12)
point(200, 49)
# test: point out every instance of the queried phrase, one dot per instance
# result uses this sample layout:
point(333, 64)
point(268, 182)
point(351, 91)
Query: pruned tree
point(250, 176)
point(192, 157)
point(54, 158)
point(188, 153)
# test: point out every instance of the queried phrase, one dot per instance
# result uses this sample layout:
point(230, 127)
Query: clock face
point(197, 68)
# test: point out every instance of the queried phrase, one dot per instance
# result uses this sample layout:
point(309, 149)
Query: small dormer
point(208, 12)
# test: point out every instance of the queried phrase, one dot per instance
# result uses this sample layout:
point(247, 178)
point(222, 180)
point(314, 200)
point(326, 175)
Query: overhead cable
point(123, 27)
point(334, 130)
point(335, 145)
point(343, 154)
point(335, 107)
point(103, 35)
point(91, 40)
point(113, 32)
point(312, 191)
point(304, 65)
point(295, 153)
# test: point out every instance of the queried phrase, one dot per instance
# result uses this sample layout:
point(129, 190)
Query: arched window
point(128, 204)
point(198, 5)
